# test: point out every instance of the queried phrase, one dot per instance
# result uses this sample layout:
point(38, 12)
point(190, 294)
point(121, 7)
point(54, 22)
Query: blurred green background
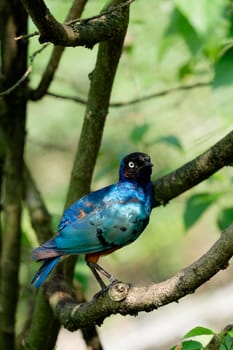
point(168, 44)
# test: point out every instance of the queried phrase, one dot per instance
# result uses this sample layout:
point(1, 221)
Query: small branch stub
point(118, 291)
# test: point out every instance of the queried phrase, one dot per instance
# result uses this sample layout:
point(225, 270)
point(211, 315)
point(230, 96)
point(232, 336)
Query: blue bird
point(102, 221)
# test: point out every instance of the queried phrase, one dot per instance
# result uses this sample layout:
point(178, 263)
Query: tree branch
point(97, 108)
point(47, 25)
point(194, 172)
point(48, 75)
point(25, 75)
point(39, 215)
point(84, 33)
point(135, 100)
point(13, 19)
point(102, 79)
point(42, 323)
point(129, 300)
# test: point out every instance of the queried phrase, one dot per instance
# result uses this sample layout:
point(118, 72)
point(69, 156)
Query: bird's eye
point(131, 165)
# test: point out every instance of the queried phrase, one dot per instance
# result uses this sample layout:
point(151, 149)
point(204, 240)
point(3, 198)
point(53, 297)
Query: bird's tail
point(50, 257)
point(44, 271)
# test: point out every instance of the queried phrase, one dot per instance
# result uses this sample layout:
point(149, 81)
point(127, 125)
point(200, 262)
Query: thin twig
point(18, 82)
point(70, 98)
point(26, 74)
point(104, 13)
point(161, 93)
point(26, 36)
point(136, 100)
point(32, 57)
point(56, 55)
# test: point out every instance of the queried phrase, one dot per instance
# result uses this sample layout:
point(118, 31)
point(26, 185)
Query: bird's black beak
point(147, 163)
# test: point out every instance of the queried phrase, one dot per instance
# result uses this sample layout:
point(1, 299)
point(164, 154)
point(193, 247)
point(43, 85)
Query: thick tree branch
point(42, 323)
point(13, 20)
point(47, 25)
point(194, 172)
point(129, 300)
point(102, 79)
point(84, 33)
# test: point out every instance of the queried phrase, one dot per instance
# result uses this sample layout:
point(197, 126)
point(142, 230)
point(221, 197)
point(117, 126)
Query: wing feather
point(111, 217)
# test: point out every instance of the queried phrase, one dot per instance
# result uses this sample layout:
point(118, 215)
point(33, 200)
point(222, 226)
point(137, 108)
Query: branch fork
point(129, 300)
point(83, 32)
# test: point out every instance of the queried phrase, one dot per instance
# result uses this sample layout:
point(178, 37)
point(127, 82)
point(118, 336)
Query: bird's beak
point(149, 164)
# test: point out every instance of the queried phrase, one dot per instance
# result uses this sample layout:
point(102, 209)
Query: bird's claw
point(116, 290)
point(104, 288)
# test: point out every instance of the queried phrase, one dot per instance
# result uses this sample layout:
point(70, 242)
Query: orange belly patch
point(94, 257)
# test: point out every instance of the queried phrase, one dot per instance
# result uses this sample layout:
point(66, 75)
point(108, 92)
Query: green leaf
point(181, 26)
point(225, 218)
point(202, 25)
point(138, 133)
point(202, 15)
point(230, 333)
point(226, 342)
point(224, 69)
point(197, 331)
point(170, 140)
point(186, 70)
point(191, 345)
point(196, 205)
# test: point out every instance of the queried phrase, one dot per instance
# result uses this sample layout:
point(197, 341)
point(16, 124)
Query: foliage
point(196, 205)
point(223, 341)
point(205, 27)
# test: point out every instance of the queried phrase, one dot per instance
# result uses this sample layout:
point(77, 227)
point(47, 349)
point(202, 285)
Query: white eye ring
point(131, 165)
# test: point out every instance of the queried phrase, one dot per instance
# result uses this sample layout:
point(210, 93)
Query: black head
point(136, 167)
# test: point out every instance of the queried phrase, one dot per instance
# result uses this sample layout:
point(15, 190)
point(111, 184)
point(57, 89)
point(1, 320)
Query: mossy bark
point(12, 124)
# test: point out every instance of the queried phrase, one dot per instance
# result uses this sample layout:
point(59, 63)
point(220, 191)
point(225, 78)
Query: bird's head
point(136, 167)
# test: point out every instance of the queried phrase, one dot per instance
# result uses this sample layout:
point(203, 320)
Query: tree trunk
point(13, 21)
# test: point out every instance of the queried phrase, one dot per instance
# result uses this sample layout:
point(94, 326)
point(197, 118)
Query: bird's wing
point(105, 219)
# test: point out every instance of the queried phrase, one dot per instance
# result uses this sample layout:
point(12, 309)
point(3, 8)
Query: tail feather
point(45, 251)
point(44, 271)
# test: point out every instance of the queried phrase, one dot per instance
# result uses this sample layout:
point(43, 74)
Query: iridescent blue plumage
point(102, 221)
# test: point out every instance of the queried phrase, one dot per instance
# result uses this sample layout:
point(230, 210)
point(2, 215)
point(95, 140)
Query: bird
point(102, 221)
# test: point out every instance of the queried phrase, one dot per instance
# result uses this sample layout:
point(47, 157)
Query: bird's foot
point(95, 268)
point(104, 288)
point(116, 290)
